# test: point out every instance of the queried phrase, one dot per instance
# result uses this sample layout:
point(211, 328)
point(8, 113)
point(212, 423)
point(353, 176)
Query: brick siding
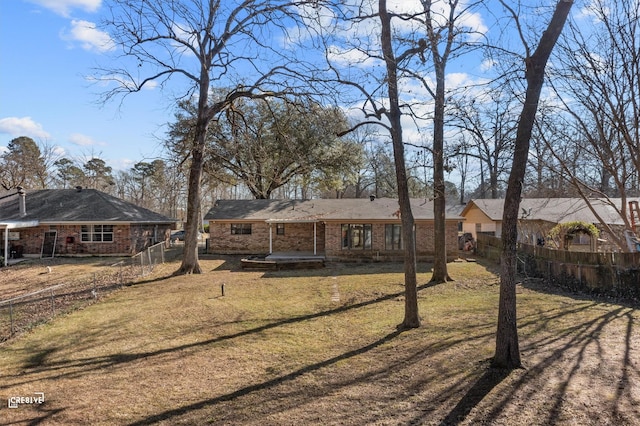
point(299, 237)
point(127, 240)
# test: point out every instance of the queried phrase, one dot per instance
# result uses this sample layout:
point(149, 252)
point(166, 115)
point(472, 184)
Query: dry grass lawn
point(321, 347)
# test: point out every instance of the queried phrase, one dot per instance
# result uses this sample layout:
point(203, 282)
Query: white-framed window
point(279, 228)
point(96, 233)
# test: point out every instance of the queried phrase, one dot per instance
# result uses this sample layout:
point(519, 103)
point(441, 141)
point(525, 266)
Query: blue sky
point(47, 49)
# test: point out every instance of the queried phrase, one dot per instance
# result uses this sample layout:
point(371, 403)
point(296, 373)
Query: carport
point(8, 225)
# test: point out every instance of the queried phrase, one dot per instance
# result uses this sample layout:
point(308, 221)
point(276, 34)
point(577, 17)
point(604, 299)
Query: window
point(240, 229)
point(96, 233)
point(356, 236)
point(279, 228)
point(393, 237)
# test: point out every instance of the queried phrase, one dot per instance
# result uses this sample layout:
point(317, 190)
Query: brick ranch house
point(74, 222)
point(337, 229)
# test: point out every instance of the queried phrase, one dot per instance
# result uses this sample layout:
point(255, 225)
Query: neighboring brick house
point(77, 222)
point(334, 228)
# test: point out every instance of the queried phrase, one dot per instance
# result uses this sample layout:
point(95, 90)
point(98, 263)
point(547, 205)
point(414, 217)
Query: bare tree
point(204, 43)
point(444, 39)
point(597, 78)
point(489, 123)
point(411, 317)
point(507, 353)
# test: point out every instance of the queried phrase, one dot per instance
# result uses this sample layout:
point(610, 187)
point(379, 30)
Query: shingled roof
point(554, 210)
point(76, 205)
point(352, 209)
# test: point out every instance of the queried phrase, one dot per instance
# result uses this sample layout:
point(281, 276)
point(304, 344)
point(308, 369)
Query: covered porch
point(315, 241)
point(8, 235)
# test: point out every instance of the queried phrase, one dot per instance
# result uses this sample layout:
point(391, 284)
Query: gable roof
point(555, 210)
point(73, 205)
point(352, 209)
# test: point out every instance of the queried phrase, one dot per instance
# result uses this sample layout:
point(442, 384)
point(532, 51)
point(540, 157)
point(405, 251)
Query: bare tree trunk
point(440, 274)
point(190, 264)
point(507, 348)
point(411, 317)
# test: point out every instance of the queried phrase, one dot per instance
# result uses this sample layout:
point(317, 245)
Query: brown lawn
point(321, 347)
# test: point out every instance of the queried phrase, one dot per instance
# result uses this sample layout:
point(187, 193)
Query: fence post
point(579, 274)
point(53, 306)
point(11, 316)
point(95, 288)
point(150, 261)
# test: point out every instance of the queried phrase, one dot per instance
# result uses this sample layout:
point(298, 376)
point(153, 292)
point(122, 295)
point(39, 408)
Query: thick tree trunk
point(440, 274)
point(190, 264)
point(411, 317)
point(507, 348)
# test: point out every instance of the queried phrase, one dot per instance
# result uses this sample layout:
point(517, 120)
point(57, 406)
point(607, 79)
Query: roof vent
point(78, 188)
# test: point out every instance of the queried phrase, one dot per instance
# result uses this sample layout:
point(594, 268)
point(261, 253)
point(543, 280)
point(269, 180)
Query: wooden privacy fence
point(614, 274)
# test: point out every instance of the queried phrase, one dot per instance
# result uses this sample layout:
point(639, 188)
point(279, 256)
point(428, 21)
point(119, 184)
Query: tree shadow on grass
point(169, 414)
point(38, 361)
point(483, 386)
point(568, 351)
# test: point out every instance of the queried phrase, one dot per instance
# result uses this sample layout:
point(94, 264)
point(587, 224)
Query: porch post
point(270, 238)
point(315, 248)
point(6, 246)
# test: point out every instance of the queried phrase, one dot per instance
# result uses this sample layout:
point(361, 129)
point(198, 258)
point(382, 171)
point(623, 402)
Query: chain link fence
point(147, 259)
point(24, 312)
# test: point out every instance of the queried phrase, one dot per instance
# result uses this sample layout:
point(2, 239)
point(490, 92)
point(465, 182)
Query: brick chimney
point(22, 201)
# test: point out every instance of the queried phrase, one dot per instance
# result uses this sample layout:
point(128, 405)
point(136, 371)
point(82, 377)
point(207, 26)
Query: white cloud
point(83, 140)
point(351, 57)
point(122, 164)
point(487, 65)
point(64, 7)
point(456, 80)
point(22, 126)
point(593, 11)
point(59, 151)
point(88, 36)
